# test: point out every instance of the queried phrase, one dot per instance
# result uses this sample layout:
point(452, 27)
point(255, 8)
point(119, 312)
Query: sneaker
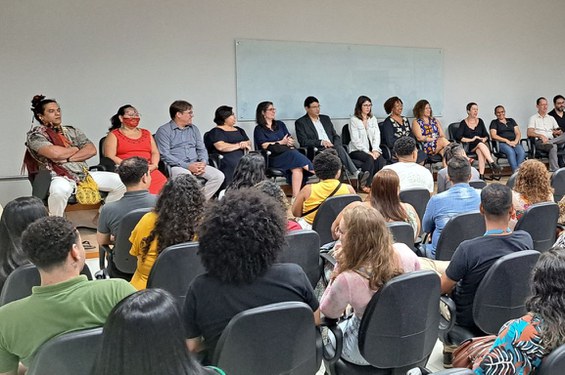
point(447, 359)
point(362, 177)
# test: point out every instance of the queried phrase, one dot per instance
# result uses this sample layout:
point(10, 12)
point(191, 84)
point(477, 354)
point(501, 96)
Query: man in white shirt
point(411, 174)
point(548, 135)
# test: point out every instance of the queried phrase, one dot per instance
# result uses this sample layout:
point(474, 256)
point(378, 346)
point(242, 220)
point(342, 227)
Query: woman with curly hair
point(427, 129)
point(173, 221)
point(150, 315)
point(250, 170)
point(532, 186)
point(385, 197)
point(240, 238)
point(523, 343)
point(365, 262)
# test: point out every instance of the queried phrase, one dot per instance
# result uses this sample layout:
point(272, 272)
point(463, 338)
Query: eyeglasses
point(190, 112)
point(315, 106)
point(132, 114)
point(367, 105)
point(271, 109)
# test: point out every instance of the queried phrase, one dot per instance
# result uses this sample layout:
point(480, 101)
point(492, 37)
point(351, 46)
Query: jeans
point(515, 155)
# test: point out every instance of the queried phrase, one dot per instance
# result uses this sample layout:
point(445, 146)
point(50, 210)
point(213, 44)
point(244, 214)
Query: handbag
point(87, 190)
point(277, 149)
point(470, 353)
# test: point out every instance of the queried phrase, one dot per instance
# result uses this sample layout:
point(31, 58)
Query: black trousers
point(369, 164)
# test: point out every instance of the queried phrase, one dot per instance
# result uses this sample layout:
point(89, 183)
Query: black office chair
point(280, 338)
point(478, 184)
point(105, 161)
point(554, 363)
point(328, 212)
point(536, 153)
point(451, 131)
point(501, 296)
point(120, 263)
point(68, 354)
point(540, 221)
point(19, 283)
point(558, 184)
point(418, 198)
point(175, 268)
point(303, 248)
point(512, 180)
point(458, 229)
point(214, 156)
point(399, 327)
point(402, 232)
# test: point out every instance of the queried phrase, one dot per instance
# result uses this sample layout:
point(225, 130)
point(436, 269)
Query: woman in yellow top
point(327, 167)
point(173, 221)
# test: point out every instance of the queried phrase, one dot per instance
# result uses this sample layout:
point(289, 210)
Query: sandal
point(87, 245)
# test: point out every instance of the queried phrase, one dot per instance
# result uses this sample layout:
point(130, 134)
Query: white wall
point(95, 56)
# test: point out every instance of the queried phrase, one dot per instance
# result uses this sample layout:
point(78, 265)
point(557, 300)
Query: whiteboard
point(337, 74)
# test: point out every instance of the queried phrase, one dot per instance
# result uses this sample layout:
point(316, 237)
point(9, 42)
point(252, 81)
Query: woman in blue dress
point(273, 135)
point(228, 140)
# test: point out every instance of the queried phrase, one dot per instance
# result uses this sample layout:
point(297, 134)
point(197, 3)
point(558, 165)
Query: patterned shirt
point(518, 349)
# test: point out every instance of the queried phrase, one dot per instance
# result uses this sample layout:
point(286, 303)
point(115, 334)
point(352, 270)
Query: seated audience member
point(427, 129)
point(173, 221)
point(452, 149)
point(411, 174)
point(460, 198)
point(272, 135)
point(327, 167)
point(272, 189)
point(16, 217)
point(385, 198)
point(545, 129)
point(558, 111)
point(473, 258)
point(63, 150)
point(250, 170)
point(240, 238)
point(507, 133)
point(150, 316)
point(228, 140)
point(183, 150)
point(532, 185)
point(316, 130)
point(522, 343)
point(396, 126)
point(366, 139)
point(125, 140)
point(65, 301)
point(366, 261)
point(134, 173)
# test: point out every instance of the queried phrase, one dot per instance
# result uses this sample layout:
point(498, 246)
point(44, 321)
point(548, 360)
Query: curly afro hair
point(48, 241)
point(241, 236)
point(327, 164)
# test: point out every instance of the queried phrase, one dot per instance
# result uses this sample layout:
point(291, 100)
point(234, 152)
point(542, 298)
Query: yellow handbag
point(87, 190)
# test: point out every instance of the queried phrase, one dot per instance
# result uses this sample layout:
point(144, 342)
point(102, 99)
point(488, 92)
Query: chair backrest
point(458, 229)
point(540, 221)
point(554, 363)
point(400, 325)
point(68, 354)
point(512, 180)
point(175, 268)
point(121, 257)
point(478, 184)
point(558, 184)
point(402, 232)
point(328, 212)
point(19, 283)
point(502, 293)
point(303, 248)
point(345, 135)
point(274, 339)
point(452, 130)
point(106, 162)
point(418, 198)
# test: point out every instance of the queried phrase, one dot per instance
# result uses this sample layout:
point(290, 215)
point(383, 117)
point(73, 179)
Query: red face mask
point(130, 122)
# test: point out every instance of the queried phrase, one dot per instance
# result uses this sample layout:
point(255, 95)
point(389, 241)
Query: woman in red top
point(125, 140)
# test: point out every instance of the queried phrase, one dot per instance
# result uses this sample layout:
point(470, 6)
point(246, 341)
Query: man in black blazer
point(316, 130)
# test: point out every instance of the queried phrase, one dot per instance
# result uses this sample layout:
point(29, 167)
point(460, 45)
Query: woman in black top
point(507, 133)
point(472, 131)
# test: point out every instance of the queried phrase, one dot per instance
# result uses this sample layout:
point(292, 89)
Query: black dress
point(465, 132)
point(231, 158)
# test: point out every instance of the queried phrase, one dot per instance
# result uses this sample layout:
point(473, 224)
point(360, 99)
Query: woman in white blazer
point(366, 139)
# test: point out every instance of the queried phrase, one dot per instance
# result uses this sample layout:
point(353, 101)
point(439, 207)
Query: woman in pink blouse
point(366, 260)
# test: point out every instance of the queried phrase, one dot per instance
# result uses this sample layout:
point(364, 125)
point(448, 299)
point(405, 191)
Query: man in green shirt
point(65, 301)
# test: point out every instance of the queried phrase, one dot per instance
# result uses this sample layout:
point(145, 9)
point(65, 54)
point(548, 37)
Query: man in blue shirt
point(460, 198)
point(182, 148)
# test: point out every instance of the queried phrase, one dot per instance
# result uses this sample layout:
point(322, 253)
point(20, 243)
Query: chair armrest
point(446, 325)
point(532, 146)
point(215, 160)
point(100, 167)
point(311, 152)
point(329, 353)
point(103, 250)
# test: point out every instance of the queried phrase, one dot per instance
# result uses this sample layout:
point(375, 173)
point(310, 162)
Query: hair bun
point(36, 100)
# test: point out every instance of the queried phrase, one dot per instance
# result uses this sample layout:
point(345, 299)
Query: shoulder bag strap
point(318, 206)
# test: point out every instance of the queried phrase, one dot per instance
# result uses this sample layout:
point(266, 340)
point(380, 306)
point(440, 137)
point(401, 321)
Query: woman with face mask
point(125, 140)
